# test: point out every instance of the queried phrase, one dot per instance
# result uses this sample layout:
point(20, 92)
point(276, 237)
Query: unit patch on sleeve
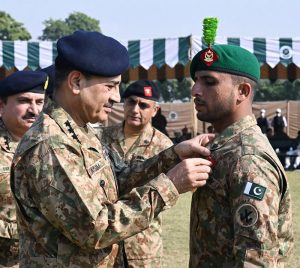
point(246, 215)
point(254, 190)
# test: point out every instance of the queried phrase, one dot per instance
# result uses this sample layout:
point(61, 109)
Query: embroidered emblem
point(209, 56)
point(254, 190)
point(148, 91)
point(246, 215)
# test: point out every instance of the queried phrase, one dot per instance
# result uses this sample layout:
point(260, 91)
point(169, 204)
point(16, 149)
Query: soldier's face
point(19, 111)
point(215, 97)
point(97, 96)
point(138, 111)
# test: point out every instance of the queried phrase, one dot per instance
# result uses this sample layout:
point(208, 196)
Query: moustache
point(198, 101)
point(29, 116)
point(109, 104)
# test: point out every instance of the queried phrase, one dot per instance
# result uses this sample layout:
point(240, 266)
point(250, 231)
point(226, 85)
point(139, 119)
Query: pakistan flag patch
point(254, 190)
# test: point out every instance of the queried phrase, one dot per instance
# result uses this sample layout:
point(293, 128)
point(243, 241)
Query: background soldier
point(242, 217)
point(21, 100)
point(68, 207)
point(262, 121)
point(279, 122)
point(135, 138)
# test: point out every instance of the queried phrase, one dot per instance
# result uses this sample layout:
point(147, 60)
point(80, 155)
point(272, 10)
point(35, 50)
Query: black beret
point(50, 71)
point(23, 81)
point(143, 88)
point(93, 53)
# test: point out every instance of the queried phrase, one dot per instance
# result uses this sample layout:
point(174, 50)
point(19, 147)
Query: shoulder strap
point(282, 178)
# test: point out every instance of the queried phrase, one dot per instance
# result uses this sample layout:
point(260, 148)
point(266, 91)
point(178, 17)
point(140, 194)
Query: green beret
point(226, 59)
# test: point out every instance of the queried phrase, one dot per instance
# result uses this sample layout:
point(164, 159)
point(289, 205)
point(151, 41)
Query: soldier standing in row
point(71, 211)
point(21, 100)
point(242, 217)
point(136, 139)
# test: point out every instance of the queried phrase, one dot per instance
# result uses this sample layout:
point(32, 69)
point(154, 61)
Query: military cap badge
point(209, 56)
point(148, 91)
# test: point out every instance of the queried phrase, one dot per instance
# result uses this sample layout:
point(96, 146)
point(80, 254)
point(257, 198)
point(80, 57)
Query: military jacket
point(145, 248)
point(68, 206)
point(242, 217)
point(8, 222)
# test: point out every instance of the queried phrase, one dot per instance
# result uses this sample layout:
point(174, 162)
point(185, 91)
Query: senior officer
point(135, 138)
point(68, 206)
point(21, 100)
point(242, 217)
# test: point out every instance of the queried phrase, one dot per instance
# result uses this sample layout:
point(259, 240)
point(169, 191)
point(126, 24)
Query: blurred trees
point(278, 90)
point(55, 29)
point(11, 30)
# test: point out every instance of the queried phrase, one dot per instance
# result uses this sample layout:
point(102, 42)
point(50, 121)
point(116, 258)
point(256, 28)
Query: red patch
point(148, 91)
point(209, 56)
point(213, 161)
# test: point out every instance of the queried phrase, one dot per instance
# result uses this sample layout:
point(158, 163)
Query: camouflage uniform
point(68, 210)
point(9, 248)
point(145, 248)
point(242, 217)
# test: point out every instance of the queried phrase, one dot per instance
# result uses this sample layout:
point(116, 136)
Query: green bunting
point(209, 30)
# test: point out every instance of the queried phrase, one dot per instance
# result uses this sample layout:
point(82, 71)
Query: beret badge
point(148, 91)
point(209, 56)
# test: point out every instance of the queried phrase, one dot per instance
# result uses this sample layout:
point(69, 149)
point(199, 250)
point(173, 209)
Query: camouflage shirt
point(8, 222)
point(145, 248)
point(68, 208)
point(242, 217)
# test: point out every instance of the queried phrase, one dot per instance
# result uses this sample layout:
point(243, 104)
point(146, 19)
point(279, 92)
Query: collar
point(6, 141)
point(85, 136)
point(145, 137)
point(232, 131)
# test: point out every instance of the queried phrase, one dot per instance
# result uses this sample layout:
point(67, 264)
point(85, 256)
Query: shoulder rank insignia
point(71, 131)
point(254, 190)
point(7, 143)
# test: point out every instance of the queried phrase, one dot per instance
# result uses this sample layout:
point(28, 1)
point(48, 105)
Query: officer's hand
point(194, 147)
point(190, 174)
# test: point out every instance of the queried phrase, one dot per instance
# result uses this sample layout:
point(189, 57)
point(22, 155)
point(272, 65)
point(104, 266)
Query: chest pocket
point(99, 170)
point(217, 184)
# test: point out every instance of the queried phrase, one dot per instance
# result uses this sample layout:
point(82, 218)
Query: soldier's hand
point(194, 147)
point(190, 174)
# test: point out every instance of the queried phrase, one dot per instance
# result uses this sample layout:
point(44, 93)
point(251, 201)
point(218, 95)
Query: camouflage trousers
point(9, 252)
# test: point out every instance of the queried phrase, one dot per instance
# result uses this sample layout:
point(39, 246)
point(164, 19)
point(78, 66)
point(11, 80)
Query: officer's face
point(215, 97)
point(19, 111)
point(97, 95)
point(138, 111)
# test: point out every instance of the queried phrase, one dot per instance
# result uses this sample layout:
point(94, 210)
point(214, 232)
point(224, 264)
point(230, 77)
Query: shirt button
point(102, 183)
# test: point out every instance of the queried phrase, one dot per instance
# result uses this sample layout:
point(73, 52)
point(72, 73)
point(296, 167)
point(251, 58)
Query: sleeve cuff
point(166, 189)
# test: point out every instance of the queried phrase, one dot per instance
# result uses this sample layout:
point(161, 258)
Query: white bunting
point(20, 54)
point(196, 46)
point(272, 52)
point(296, 51)
point(1, 54)
point(247, 43)
point(146, 53)
point(46, 54)
point(172, 49)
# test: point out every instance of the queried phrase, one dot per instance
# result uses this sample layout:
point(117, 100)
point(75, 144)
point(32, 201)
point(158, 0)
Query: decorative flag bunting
point(158, 52)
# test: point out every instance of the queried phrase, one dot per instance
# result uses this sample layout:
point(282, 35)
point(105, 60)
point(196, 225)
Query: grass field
point(176, 228)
